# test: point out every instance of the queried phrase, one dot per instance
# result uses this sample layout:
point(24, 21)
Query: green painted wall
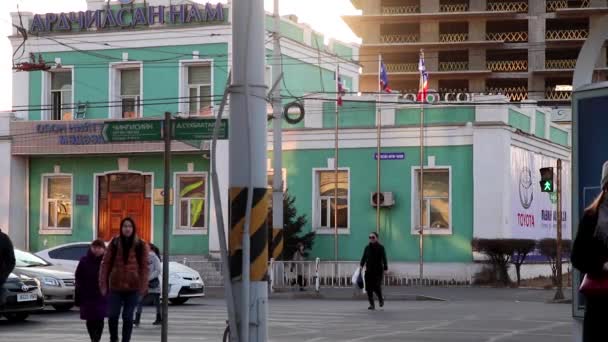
point(351, 114)
point(395, 222)
point(411, 116)
point(160, 76)
point(539, 130)
point(519, 120)
point(318, 41)
point(558, 136)
point(343, 50)
point(83, 169)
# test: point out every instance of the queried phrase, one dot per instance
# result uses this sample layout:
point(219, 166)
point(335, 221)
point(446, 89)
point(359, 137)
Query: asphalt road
point(309, 320)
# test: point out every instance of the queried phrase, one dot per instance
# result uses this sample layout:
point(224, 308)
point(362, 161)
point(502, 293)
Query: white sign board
point(534, 213)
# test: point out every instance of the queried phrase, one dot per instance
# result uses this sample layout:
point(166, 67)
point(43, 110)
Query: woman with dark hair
point(590, 256)
point(153, 285)
point(124, 275)
point(93, 305)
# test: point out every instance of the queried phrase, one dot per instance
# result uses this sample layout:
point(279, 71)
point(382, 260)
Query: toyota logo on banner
point(526, 192)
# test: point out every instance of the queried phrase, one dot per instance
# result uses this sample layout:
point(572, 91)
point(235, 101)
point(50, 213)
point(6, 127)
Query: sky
point(321, 15)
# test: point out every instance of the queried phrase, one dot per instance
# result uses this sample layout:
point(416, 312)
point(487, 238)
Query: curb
point(316, 295)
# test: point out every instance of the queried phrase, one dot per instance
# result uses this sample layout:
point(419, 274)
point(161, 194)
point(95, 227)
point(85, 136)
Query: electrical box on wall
point(385, 199)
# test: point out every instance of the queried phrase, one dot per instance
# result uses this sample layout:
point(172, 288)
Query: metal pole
point(379, 157)
point(166, 198)
point(559, 295)
point(421, 180)
point(336, 147)
point(277, 181)
point(248, 180)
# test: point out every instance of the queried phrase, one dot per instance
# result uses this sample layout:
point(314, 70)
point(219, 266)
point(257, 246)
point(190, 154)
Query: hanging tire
point(296, 119)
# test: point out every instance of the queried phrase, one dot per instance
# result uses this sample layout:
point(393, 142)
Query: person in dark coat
point(374, 260)
point(7, 261)
point(590, 256)
point(93, 305)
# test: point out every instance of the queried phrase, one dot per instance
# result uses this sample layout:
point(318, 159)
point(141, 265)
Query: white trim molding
point(43, 229)
point(183, 82)
point(95, 223)
point(46, 100)
point(114, 87)
point(316, 219)
point(415, 202)
point(177, 230)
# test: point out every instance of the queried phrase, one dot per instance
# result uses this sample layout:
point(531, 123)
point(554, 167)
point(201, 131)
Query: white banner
point(534, 213)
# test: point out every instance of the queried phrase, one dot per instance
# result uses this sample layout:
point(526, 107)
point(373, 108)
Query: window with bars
point(436, 210)
point(199, 90)
point(130, 93)
point(326, 199)
point(191, 201)
point(57, 198)
point(61, 95)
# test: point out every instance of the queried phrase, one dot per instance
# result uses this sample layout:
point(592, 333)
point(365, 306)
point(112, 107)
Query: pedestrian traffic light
point(546, 179)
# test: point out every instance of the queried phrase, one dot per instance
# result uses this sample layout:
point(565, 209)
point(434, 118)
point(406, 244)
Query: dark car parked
point(21, 297)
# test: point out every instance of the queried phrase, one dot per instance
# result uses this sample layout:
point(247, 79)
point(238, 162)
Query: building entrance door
point(124, 195)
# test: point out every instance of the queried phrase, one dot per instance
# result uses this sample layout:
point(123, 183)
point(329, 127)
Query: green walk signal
point(546, 179)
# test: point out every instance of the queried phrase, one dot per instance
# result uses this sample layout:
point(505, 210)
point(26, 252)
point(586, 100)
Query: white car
point(184, 282)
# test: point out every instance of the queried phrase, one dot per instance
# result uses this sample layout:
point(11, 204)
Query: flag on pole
point(384, 78)
point(340, 88)
point(423, 86)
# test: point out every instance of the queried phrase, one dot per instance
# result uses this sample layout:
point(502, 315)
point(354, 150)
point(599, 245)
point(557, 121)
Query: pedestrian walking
point(298, 258)
point(590, 256)
point(374, 260)
point(153, 286)
point(93, 305)
point(7, 261)
point(124, 275)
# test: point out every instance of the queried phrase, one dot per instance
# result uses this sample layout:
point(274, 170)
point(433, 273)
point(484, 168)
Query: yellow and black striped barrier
point(258, 233)
point(277, 243)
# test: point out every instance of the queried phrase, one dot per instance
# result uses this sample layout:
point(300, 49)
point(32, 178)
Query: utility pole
point(559, 295)
point(248, 180)
point(277, 151)
point(166, 231)
point(378, 146)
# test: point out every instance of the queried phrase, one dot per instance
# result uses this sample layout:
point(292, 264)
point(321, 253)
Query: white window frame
point(415, 203)
point(44, 229)
point(184, 87)
point(115, 97)
point(177, 228)
point(45, 97)
point(316, 203)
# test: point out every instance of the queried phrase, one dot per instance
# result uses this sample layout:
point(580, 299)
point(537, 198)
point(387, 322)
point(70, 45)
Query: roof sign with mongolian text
point(127, 17)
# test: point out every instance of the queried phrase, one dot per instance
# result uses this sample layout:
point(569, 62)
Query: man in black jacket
point(7, 260)
point(374, 260)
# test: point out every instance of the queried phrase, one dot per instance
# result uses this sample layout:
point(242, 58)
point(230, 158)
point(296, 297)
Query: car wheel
point(17, 317)
point(178, 301)
point(63, 307)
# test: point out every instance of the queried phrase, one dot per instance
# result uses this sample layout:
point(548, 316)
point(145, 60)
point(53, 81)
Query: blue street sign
point(390, 156)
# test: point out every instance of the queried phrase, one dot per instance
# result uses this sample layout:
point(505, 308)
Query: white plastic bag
point(356, 276)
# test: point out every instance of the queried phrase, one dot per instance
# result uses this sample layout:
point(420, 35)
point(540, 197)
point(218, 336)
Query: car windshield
point(24, 259)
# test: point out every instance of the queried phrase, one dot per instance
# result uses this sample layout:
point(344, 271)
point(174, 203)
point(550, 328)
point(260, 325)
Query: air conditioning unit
point(386, 199)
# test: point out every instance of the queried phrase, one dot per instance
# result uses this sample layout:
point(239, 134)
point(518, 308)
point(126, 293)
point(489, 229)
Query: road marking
point(519, 332)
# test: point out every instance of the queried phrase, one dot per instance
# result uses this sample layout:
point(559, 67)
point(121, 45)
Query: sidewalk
point(469, 294)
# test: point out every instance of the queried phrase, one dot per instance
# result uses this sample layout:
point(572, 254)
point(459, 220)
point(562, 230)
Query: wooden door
point(121, 205)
